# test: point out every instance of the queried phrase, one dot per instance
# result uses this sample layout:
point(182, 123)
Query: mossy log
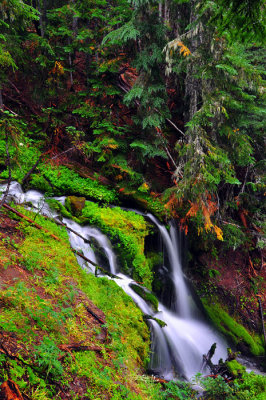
point(147, 296)
point(159, 321)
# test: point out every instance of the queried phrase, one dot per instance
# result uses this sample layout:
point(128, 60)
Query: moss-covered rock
point(148, 297)
point(242, 339)
point(235, 368)
point(75, 205)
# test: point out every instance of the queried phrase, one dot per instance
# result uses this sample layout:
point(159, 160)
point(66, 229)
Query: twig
point(26, 177)
point(12, 112)
point(244, 183)
point(71, 230)
point(60, 154)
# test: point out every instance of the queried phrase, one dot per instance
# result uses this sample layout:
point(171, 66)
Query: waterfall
point(178, 347)
point(171, 245)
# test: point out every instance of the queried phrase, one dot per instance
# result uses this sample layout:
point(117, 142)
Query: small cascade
point(178, 347)
point(181, 291)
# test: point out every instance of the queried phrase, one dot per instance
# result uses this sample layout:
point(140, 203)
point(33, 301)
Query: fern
point(122, 35)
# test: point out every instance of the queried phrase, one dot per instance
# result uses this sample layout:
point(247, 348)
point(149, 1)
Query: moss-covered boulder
point(75, 205)
point(147, 296)
point(244, 341)
point(235, 368)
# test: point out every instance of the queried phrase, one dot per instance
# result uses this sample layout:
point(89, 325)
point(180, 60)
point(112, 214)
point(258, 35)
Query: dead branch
point(63, 152)
point(78, 347)
point(71, 230)
point(12, 112)
point(78, 253)
point(99, 319)
point(30, 221)
point(9, 172)
point(27, 175)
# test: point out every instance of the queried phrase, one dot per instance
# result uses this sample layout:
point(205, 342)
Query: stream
point(176, 349)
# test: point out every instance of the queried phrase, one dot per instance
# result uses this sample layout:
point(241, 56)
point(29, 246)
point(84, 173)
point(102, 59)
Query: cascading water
point(178, 347)
point(181, 291)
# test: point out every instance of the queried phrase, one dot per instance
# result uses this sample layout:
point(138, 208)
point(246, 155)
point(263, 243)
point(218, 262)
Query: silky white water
point(177, 348)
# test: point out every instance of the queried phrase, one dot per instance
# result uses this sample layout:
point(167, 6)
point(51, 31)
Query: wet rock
point(75, 205)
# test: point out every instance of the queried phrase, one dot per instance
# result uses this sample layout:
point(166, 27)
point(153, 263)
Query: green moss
point(149, 203)
point(159, 321)
point(231, 328)
point(149, 297)
point(127, 231)
point(61, 180)
point(235, 368)
point(57, 206)
point(75, 204)
point(46, 307)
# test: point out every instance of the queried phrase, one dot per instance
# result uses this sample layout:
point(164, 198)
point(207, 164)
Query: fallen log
point(99, 319)
point(10, 391)
point(19, 214)
point(78, 347)
point(207, 359)
point(159, 380)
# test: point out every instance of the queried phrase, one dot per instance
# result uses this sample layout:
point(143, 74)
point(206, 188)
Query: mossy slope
point(44, 298)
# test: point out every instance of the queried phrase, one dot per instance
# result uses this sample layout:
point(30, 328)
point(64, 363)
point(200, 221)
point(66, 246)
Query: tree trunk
point(1, 99)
